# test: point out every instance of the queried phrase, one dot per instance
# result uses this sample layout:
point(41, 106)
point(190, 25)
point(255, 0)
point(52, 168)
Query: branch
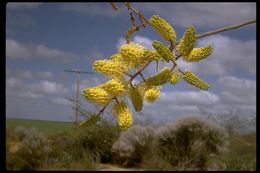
point(212, 32)
point(132, 78)
point(226, 28)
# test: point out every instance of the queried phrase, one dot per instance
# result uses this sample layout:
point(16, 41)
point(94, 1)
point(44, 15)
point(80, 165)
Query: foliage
point(132, 145)
point(27, 148)
point(189, 142)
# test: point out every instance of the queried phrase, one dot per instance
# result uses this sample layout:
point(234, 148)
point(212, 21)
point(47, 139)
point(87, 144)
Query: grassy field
point(46, 127)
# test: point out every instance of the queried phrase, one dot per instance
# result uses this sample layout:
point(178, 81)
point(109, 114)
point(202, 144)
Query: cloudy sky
point(43, 39)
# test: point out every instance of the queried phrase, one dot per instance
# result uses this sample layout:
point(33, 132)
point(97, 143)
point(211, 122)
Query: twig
point(141, 74)
point(226, 28)
point(139, 71)
point(114, 6)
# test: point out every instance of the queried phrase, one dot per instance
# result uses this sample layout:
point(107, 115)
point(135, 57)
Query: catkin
point(136, 98)
point(96, 95)
point(163, 50)
point(152, 55)
point(133, 54)
point(163, 28)
point(111, 68)
point(113, 87)
point(187, 41)
point(194, 80)
point(152, 94)
point(174, 77)
point(198, 54)
point(124, 115)
point(160, 78)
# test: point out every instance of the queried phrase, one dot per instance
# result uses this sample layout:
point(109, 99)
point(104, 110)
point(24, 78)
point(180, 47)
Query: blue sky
point(43, 39)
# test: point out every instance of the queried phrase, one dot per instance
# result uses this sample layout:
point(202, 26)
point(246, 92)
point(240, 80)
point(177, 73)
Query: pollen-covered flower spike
point(152, 94)
point(194, 80)
point(136, 98)
point(123, 114)
point(132, 54)
point(111, 68)
point(113, 87)
point(163, 50)
point(160, 78)
point(96, 95)
point(163, 28)
point(174, 77)
point(187, 41)
point(152, 55)
point(198, 54)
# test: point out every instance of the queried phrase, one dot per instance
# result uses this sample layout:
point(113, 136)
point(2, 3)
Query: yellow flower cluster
point(198, 54)
point(111, 68)
point(152, 55)
point(136, 98)
point(163, 28)
point(116, 57)
point(163, 50)
point(160, 78)
point(194, 80)
point(174, 77)
point(187, 41)
point(96, 95)
point(113, 87)
point(124, 115)
point(152, 94)
point(133, 54)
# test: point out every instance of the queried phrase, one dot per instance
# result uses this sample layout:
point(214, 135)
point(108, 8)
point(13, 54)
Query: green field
point(46, 127)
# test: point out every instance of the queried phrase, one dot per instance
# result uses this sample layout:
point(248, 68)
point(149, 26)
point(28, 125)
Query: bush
point(241, 155)
point(85, 146)
point(188, 143)
point(27, 148)
point(133, 145)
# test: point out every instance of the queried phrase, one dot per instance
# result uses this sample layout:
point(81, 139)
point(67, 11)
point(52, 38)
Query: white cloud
point(29, 95)
point(23, 5)
point(200, 14)
point(25, 74)
point(62, 101)
point(13, 83)
point(45, 75)
point(229, 54)
point(19, 50)
point(188, 98)
point(48, 87)
point(237, 91)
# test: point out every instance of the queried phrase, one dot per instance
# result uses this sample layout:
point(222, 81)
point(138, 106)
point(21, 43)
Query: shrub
point(97, 140)
point(188, 142)
point(27, 148)
point(133, 145)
